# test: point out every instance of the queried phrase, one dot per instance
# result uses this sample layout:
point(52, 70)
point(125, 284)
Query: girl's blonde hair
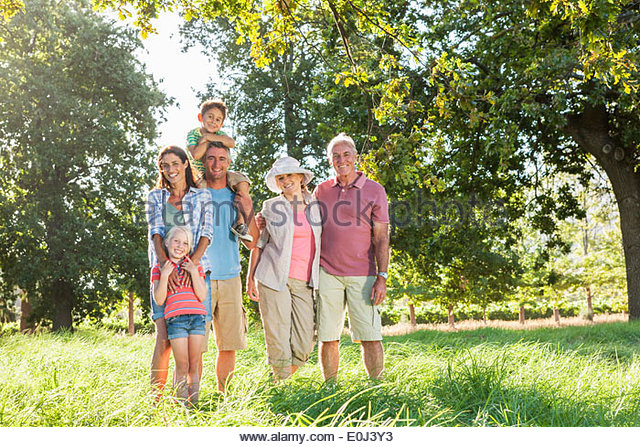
point(185, 230)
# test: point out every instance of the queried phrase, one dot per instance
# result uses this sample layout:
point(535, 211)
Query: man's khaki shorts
point(354, 292)
point(288, 321)
point(229, 317)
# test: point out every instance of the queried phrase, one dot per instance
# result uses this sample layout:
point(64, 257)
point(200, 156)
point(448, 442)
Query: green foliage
point(289, 107)
point(465, 99)
point(9, 8)
point(77, 116)
point(120, 325)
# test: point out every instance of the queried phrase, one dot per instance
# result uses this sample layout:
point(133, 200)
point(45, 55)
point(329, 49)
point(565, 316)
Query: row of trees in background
point(77, 118)
point(461, 100)
point(470, 124)
point(586, 266)
point(486, 122)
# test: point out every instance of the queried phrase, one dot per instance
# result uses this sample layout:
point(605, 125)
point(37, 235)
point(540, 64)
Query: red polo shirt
point(348, 214)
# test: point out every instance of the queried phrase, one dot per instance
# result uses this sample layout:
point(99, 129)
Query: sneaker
point(241, 230)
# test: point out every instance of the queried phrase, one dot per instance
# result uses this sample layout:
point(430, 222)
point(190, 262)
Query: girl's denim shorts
point(181, 326)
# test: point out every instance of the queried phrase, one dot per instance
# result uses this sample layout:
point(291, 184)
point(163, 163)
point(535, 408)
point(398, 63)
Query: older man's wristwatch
point(385, 275)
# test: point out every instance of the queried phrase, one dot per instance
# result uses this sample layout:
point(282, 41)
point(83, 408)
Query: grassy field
point(571, 376)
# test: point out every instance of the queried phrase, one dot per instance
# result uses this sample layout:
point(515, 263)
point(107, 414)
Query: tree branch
point(345, 41)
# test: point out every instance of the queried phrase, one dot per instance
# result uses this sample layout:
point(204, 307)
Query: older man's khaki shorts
point(229, 317)
point(337, 293)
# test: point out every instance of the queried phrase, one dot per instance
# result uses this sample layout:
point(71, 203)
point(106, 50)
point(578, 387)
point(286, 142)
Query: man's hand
point(185, 280)
point(379, 291)
point(261, 222)
point(195, 259)
point(190, 266)
point(252, 290)
point(174, 279)
point(167, 268)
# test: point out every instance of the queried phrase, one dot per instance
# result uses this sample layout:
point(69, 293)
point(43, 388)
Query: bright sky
point(180, 75)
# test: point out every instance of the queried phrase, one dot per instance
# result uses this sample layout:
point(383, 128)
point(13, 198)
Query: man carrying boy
point(225, 284)
point(212, 115)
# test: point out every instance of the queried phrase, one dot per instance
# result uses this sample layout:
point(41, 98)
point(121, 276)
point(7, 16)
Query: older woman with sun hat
point(284, 267)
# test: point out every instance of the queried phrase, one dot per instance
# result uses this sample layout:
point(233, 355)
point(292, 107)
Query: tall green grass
point(574, 376)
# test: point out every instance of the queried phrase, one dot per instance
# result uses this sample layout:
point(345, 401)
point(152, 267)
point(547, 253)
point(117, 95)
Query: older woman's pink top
point(303, 249)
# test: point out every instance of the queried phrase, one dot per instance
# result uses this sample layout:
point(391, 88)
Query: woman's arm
point(159, 248)
point(201, 248)
point(254, 258)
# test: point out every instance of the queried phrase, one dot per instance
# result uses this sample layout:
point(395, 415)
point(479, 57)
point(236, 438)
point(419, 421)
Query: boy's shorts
point(355, 292)
point(233, 178)
point(181, 326)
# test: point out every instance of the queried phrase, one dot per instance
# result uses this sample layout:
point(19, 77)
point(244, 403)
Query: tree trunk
point(591, 130)
point(484, 315)
point(521, 318)
point(62, 305)
point(25, 311)
point(589, 304)
point(451, 317)
point(412, 315)
point(556, 315)
point(132, 327)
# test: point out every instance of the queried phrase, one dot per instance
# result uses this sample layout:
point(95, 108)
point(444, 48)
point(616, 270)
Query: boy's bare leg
point(242, 189)
point(201, 182)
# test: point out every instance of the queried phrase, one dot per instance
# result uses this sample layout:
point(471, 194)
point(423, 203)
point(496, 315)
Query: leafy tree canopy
point(476, 97)
point(76, 122)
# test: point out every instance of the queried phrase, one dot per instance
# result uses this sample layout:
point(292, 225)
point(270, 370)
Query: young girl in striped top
point(183, 310)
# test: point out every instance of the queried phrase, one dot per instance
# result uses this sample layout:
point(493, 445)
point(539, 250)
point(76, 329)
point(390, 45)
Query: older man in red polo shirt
point(353, 260)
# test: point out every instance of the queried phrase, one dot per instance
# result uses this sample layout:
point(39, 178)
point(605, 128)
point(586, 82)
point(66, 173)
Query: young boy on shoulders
point(212, 115)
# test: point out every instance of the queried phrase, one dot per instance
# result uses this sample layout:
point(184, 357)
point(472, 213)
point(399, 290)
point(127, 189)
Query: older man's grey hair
point(339, 139)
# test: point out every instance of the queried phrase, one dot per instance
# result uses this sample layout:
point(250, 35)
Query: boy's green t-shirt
point(192, 139)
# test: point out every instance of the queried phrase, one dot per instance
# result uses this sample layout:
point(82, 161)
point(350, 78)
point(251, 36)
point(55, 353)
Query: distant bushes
point(426, 313)
point(430, 313)
point(141, 325)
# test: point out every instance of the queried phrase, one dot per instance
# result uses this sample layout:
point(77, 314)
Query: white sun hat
point(286, 165)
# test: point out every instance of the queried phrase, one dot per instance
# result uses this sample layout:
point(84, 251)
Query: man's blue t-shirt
point(224, 251)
